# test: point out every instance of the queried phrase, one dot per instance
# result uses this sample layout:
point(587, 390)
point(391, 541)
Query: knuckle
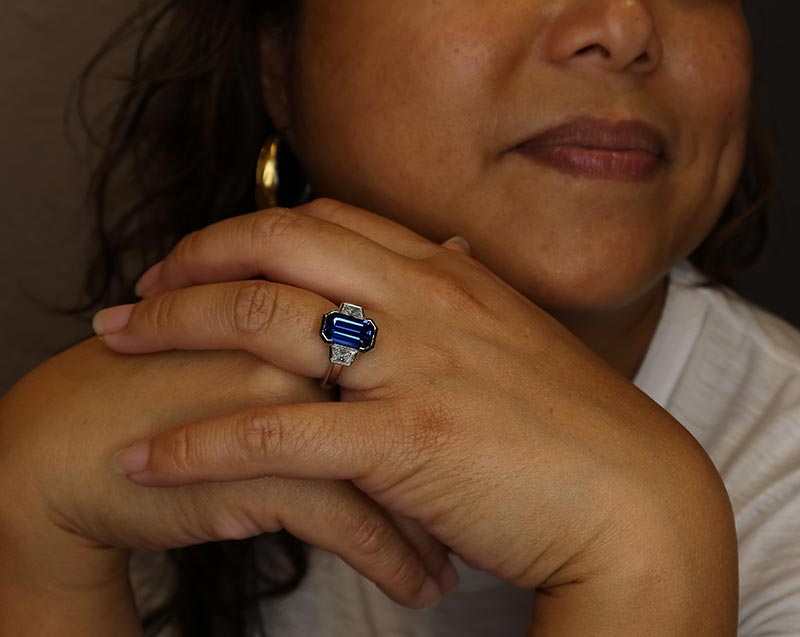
point(325, 208)
point(324, 203)
point(407, 573)
point(234, 525)
point(371, 536)
point(273, 224)
point(182, 447)
point(254, 307)
point(218, 515)
point(162, 311)
point(455, 295)
point(450, 289)
point(262, 436)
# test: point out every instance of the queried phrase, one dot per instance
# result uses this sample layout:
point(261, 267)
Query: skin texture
point(564, 477)
point(409, 108)
point(67, 521)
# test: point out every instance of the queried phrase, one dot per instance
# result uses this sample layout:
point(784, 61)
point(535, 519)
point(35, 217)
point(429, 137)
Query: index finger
point(219, 252)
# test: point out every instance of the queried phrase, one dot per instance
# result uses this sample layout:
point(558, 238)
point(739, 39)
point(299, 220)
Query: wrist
point(27, 608)
point(64, 586)
point(670, 567)
point(54, 581)
point(661, 594)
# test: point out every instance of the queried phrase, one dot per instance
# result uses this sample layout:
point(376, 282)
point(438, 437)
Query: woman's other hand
point(68, 522)
point(476, 414)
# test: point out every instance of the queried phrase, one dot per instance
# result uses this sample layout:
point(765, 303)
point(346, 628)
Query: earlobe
point(273, 63)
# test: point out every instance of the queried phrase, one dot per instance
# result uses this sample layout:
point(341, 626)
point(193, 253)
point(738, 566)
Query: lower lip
point(624, 165)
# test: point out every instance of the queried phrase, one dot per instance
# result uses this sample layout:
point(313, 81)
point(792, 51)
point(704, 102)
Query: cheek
point(399, 93)
point(709, 66)
point(713, 77)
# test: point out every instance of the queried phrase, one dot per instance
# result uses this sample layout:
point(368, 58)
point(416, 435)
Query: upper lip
point(593, 132)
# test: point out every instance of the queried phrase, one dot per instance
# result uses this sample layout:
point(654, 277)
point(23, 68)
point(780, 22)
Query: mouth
point(629, 150)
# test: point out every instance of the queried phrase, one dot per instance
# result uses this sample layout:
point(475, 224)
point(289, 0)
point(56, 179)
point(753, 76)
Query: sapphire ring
point(348, 333)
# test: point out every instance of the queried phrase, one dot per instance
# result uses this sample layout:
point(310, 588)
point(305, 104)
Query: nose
point(611, 35)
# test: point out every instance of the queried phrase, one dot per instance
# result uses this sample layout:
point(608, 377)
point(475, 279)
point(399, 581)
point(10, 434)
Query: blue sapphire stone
point(346, 330)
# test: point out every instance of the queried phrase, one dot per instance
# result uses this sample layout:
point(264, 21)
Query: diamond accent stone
point(343, 355)
point(352, 310)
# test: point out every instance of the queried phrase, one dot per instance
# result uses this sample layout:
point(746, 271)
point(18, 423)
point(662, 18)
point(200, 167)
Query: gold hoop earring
point(267, 178)
point(296, 190)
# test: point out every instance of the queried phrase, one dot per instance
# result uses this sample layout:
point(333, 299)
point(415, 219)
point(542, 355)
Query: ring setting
point(348, 332)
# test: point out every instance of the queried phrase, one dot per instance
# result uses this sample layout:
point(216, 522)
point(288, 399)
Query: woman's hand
point(476, 414)
point(67, 522)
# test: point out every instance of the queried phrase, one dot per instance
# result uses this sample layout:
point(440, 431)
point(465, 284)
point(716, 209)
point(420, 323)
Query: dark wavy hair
point(179, 153)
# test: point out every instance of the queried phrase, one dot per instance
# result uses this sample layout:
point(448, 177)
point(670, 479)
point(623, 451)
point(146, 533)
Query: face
point(413, 109)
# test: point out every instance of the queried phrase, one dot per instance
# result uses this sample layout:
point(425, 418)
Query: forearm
point(29, 611)
point(63, 587)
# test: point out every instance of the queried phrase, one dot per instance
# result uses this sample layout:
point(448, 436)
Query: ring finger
point(278, 323)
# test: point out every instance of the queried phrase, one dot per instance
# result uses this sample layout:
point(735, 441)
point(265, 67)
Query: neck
point(621, 337)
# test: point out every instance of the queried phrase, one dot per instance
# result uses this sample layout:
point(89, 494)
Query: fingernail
point(462, 242)
point(448, 577)
point(430, 593)
point(148, 279)
point(131, 459)
point(112, 319)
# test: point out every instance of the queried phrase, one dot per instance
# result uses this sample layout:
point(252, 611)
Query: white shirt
point(730, 373)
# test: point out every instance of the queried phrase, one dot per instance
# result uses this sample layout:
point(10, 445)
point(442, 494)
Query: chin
point(582, 283)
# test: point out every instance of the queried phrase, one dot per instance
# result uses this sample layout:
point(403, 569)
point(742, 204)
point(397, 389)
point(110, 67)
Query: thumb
point(459, 244)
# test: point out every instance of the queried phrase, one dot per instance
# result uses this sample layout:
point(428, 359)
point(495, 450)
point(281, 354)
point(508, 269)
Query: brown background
point(44, 240)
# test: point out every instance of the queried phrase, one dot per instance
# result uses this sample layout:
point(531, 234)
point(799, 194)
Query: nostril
point(594, 47)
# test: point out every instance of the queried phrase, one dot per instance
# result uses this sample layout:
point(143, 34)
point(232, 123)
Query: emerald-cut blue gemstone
point(343, 329)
